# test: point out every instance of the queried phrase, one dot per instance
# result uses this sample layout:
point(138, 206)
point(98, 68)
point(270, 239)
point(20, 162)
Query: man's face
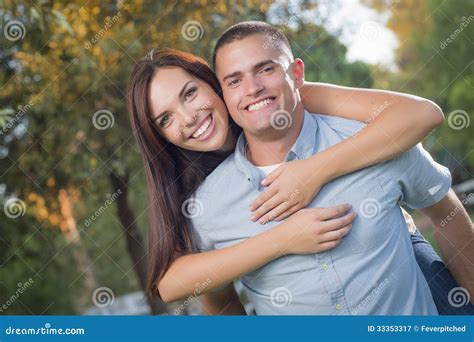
point(259, 83)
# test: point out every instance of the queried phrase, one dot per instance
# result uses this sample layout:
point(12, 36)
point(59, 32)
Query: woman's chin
point(207, 146)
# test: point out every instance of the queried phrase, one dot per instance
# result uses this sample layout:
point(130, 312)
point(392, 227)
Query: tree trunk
point(79, 253)
point(135, 243)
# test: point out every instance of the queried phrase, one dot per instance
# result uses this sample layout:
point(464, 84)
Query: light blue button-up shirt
point(373, 270)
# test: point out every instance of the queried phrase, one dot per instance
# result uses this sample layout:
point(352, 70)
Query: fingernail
point(253, 218)
point(263, 182)
point(252, 208)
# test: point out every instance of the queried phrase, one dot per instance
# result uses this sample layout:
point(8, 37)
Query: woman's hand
point(291, 186)
point(315, 230)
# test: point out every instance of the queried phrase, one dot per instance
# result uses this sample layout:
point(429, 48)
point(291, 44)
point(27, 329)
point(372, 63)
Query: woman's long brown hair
point(173, 174)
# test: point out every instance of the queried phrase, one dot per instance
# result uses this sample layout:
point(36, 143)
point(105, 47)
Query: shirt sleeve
point(423, 181)
point(202, 241)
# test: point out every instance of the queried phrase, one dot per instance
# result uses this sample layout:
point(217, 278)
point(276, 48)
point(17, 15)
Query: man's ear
point(298, 72)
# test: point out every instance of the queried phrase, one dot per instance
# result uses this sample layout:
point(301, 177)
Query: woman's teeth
point(261, 104)
point(203, 129)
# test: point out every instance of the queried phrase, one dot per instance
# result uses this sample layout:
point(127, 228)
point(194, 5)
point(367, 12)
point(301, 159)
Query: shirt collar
point(303, 148)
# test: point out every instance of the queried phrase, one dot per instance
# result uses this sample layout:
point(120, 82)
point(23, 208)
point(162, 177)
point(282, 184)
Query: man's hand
point(454, 233)
point(223, 301)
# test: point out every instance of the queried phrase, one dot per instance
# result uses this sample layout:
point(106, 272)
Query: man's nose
point(253, 86)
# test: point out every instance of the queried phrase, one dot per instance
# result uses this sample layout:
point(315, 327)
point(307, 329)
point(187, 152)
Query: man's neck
point(264, 150)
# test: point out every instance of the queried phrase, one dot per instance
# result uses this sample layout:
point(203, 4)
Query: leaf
point(62, 21)
point(5, 116)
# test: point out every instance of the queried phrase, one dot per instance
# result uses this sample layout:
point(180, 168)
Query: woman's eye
point(190, 93)
point(164, 121)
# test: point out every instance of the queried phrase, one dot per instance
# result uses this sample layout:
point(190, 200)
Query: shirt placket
point(332, 284)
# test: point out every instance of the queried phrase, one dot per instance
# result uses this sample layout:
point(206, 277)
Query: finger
point(328, 245)
point(332, 212)
point(336, 234)
point(263, 197)
point(282, 207)
point(288, 212)
point(339, 222)
point(266, 207)
point(272, 176)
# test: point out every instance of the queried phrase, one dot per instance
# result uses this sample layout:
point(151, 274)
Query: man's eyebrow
point(234, 74)
point(180, 95)
point(256, 66)
point(261, 64)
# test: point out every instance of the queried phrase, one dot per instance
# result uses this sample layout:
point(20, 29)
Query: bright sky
point(363, 31)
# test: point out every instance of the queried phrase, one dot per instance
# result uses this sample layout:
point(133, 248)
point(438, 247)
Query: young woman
point(177, 160)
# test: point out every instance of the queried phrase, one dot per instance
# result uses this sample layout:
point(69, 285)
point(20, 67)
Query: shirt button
point(338, 306)
point(325, 267)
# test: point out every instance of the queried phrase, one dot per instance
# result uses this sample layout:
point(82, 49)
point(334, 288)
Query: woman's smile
point(205, 129)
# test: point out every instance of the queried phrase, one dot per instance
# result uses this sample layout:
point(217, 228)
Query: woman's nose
point(191, 117)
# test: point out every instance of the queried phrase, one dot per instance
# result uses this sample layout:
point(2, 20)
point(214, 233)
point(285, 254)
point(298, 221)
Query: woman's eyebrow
point(183, 89)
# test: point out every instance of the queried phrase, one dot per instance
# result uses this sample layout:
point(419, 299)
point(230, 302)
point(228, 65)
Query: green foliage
point(435, 60)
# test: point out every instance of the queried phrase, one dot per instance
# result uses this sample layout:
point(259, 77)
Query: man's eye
point(268, 69)
point(233, 83)
point(190, 93)
point(164, 121)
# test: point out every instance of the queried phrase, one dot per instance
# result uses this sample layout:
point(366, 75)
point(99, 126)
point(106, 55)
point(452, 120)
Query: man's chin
point(262, 132)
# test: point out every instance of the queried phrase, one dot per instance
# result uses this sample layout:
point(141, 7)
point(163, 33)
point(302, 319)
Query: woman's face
point(187, 111)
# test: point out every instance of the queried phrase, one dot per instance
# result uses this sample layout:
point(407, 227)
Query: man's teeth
point(261, 104)
point(201, 130)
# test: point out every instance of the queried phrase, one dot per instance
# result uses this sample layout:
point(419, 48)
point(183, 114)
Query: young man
point(373, 270)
